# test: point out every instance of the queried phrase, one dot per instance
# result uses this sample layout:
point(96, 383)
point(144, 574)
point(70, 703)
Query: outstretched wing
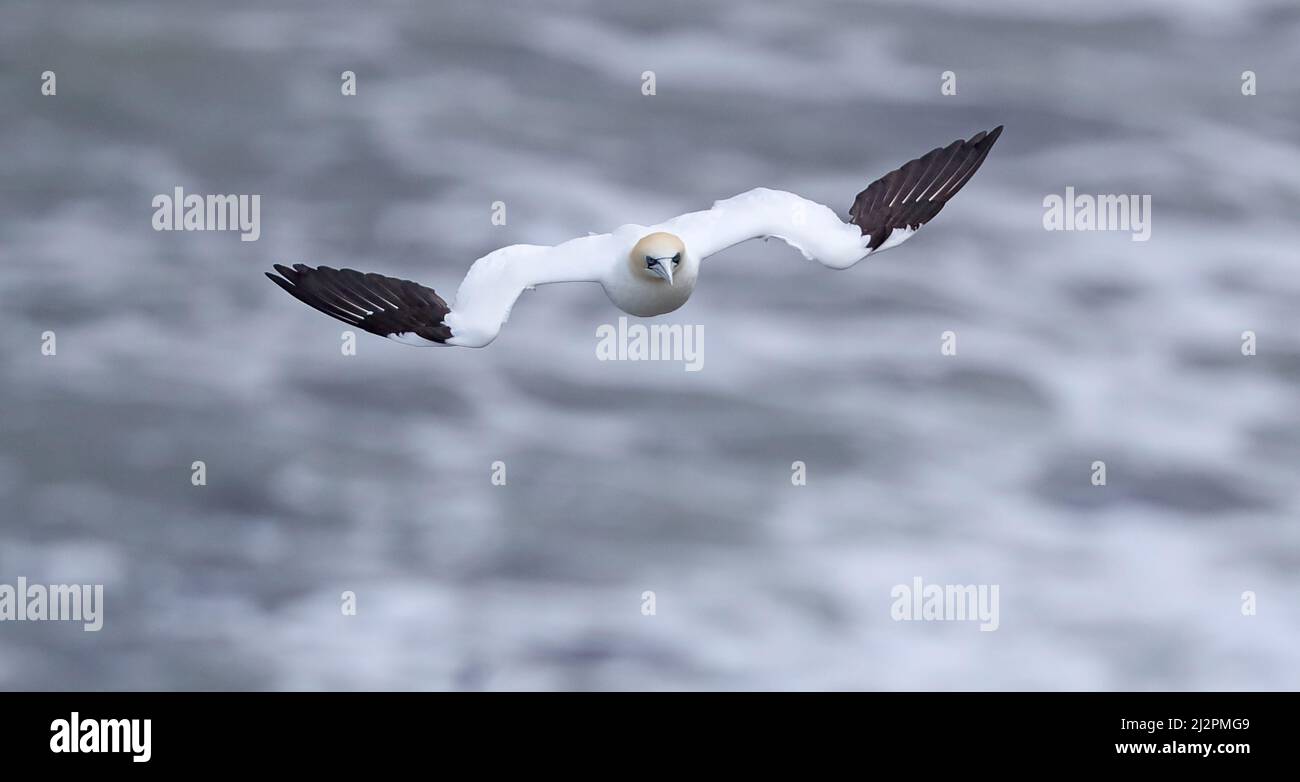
point(884, 215)
point(398, 309)
point(806, 225)
point(415, 315)
point(909, 197)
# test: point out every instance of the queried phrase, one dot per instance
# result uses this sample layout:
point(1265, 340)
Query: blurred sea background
point(371, 473)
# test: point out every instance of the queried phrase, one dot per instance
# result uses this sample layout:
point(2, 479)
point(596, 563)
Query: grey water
point(371, 474)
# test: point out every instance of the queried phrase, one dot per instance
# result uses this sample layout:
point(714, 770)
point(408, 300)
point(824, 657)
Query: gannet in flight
point(645, 270)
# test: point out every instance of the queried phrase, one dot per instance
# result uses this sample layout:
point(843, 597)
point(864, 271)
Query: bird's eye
point(677, 259)
point(650, 263)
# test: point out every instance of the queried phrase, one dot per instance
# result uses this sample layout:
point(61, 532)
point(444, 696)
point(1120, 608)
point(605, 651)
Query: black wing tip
point(380, 305)
point(911, 195)
point(282, 277)
point(291, 274)
point(983, 140)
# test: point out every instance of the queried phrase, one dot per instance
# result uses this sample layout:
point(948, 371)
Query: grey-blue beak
point(664, 269)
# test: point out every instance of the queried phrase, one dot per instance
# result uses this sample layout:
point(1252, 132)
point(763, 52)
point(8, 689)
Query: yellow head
point(657, 256)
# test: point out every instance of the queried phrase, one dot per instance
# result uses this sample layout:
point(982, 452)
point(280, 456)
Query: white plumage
point(645, 270)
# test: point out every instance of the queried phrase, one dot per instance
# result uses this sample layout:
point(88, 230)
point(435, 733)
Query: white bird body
point(637, 294)
point(645, 270)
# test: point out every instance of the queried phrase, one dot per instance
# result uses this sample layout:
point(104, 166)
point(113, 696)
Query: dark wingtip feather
point(911, 195)
point(293, 275)
point(281, 281)
point(372, 302)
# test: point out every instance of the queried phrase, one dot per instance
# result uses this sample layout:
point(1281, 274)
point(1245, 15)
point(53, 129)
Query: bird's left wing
point(805, 225)
point(884, 215)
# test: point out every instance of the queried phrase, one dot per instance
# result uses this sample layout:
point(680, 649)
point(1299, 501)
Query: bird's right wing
point(494, 282)
point(401, 310)
point(412, 314)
